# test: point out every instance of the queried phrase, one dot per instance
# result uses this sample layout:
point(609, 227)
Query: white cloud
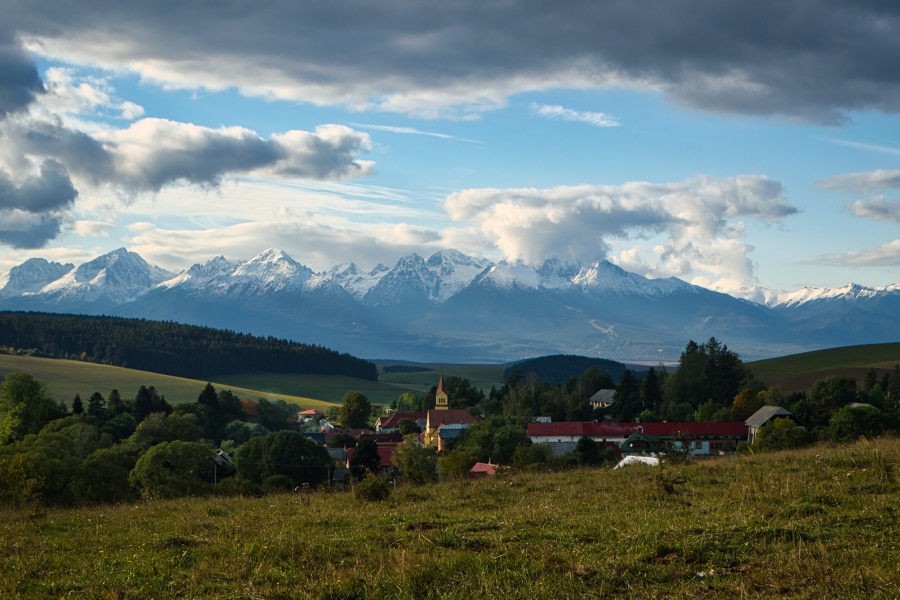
point(862, 182)
point(560, 113)
point(884, 255)
point(877, 207)
point(698, 219)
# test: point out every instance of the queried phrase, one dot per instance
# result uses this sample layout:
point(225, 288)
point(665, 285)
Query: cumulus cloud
point(561, 113)
point(699, 219)
point(884, 255)
point(812, 60)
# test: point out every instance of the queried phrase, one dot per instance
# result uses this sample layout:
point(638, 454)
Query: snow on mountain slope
point(199, 275)
point(454, 271)
point(117, 277)
point(353, 279)
point(270, 271)
point(31, 276)
point(849, 293)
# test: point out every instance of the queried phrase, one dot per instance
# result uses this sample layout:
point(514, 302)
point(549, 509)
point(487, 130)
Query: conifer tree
point(77, 405)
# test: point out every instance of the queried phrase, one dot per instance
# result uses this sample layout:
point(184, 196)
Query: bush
point(277, 483)
point(372, 488)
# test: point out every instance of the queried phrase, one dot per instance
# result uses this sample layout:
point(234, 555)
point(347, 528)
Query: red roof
point(483, 469)
point(393, 421)
point(736, 429)
point(436, 418)
point(580, 428)
point(590, 429)
point(385, 452)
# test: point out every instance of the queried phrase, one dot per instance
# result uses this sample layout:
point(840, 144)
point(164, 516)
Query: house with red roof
point(391, 423)
point(697, 439)
point(704, 438)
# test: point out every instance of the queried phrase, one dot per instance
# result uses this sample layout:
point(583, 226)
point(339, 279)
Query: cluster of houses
point(441, 426)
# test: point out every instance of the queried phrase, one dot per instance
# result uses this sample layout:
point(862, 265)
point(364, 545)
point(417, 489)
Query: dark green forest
point(559, 368)
point(169, 348)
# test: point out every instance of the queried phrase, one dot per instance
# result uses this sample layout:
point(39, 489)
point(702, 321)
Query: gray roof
point(604, 396)
point(765, 414)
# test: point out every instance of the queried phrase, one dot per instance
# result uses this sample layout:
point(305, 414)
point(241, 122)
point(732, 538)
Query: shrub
point(372, 488)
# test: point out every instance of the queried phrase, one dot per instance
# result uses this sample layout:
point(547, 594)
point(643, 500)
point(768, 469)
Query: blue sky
point(734, 146)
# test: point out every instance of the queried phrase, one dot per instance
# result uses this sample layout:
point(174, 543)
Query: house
point(563, 437)
point(703, 439)
point(385, 453)
point(645, 438)
point(602, 399)
point(761, 417)
point(481, 469)
point(391, 424)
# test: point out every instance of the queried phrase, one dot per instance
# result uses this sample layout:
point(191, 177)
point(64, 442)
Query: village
point(441, 427)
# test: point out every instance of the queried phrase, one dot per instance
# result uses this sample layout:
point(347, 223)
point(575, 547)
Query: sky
point(735, 145)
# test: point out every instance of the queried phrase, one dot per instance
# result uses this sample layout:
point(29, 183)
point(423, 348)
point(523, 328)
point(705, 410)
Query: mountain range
point(455, 308)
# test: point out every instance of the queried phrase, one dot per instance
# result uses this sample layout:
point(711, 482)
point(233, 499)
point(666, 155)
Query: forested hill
point(170, 348)
point(558, 368)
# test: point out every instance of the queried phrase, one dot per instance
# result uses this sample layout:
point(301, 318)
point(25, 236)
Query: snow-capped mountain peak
point(269, 271)
point(199, 275)
point(31, 276)
point(119, 276)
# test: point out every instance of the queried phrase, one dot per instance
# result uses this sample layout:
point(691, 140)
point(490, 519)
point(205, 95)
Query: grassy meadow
point(799, 371)
point(480, 376)
point(65, 378)
point(816, 523)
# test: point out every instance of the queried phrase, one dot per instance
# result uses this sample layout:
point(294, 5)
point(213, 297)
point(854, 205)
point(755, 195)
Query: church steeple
point(441, 401)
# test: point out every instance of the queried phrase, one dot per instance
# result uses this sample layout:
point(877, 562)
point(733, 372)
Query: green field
point(480, 376)
point(328, 388)
point(817, 523)
point(799, 371)
point(65, 378)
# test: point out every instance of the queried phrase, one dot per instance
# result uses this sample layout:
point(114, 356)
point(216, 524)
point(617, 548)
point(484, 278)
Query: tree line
point(169, 348)
point(118, 449)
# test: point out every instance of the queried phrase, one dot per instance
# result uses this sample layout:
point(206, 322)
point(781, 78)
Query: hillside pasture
point(798, 372)
point(326, 388)
point(479, 376)
point(65, 378)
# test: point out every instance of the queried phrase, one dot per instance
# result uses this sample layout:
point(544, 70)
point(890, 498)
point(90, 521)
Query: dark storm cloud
point(806, 59)
point(19, 79)
point(51, 190)
point(27, 231)
point(32, 211)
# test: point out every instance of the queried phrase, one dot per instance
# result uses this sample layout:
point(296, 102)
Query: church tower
point(441, 401)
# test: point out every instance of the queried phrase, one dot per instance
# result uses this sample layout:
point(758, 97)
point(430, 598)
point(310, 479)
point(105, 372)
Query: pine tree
point(114, 404)
point(77, 405)
point(97, 406)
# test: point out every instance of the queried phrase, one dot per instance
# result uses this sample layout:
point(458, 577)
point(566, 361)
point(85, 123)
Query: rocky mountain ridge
point(451, 306)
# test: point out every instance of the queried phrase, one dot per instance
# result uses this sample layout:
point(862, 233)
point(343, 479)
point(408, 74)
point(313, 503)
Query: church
point(443, 423)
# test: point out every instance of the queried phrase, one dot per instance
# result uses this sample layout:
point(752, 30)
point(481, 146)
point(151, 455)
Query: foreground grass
point(813, 524)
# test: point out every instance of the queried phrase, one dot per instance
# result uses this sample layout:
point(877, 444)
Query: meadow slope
point(816, 523)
